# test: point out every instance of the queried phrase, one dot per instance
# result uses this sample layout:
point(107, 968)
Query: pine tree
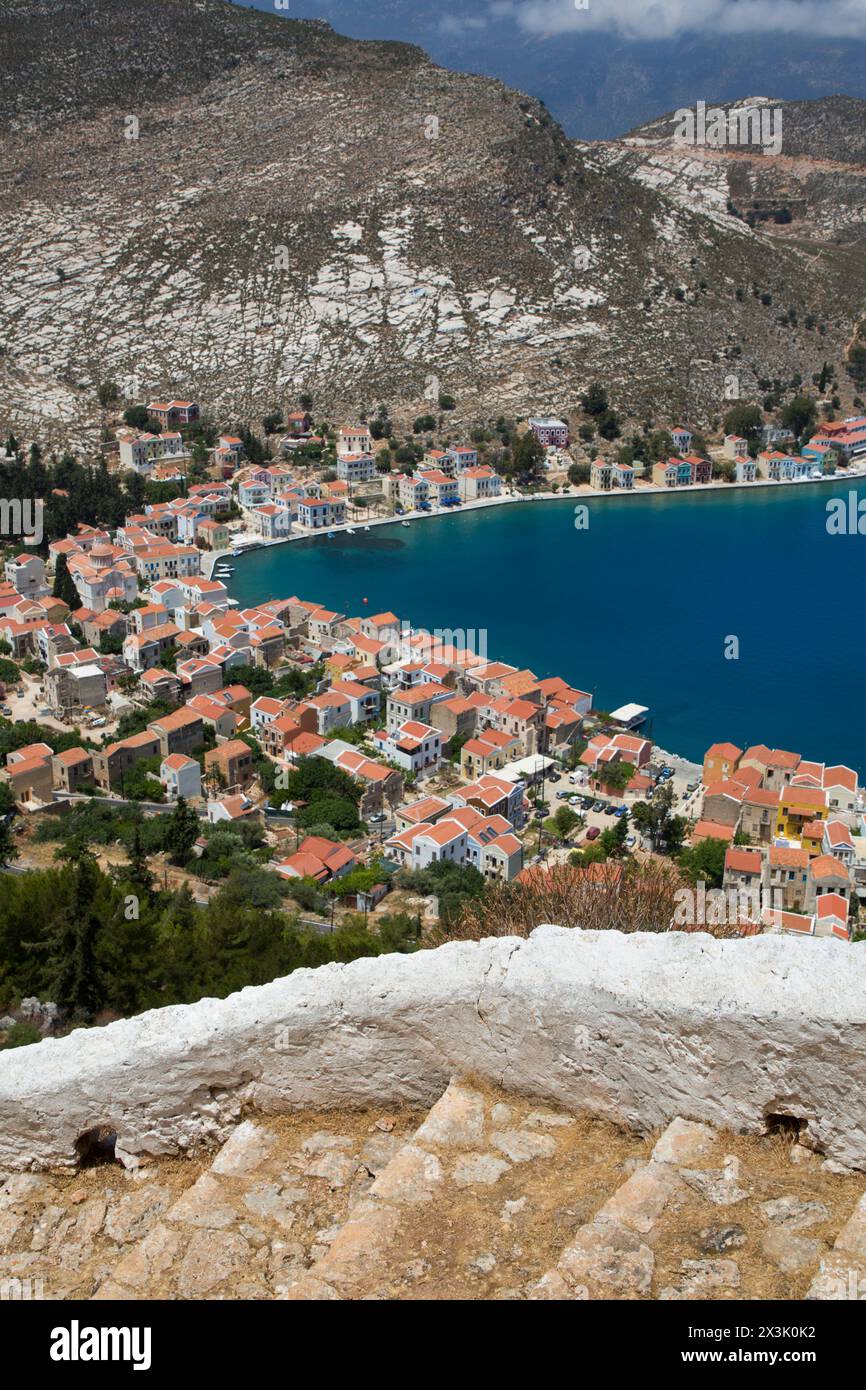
point(137, 873)
point(64, 585)
point(181, 832)
point(74, 981)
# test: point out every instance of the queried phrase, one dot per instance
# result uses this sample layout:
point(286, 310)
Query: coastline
point(580, 494)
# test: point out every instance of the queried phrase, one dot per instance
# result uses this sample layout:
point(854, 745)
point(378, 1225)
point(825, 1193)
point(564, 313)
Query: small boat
point(366, 528)
point(404, 523)
point(350, 531)
point(331, 535)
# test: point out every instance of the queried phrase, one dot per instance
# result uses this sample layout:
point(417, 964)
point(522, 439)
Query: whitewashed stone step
point(262, 1212)
point(464, 1209)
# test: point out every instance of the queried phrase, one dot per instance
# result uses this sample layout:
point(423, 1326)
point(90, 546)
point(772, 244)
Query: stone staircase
point(487, 1196)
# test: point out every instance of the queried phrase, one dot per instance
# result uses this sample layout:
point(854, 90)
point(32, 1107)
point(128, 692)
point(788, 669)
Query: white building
point(476, 483)
point(412, 746)
point(318, 513)
point(26, 574)
point(140, 452)
point(180, 776)
point(356, 468)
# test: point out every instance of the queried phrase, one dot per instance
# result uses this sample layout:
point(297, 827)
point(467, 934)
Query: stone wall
point(636, 1028)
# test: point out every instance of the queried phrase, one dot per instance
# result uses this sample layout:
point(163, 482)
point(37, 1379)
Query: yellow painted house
point(799, 807)
point(812, 838)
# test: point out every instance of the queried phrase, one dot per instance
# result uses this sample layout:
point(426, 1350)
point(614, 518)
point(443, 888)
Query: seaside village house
point(180, 776)
point(802, 863)
point(549, 431)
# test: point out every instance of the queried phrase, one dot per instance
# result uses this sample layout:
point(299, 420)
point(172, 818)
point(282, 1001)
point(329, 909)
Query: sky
point(606, 66)
point(667, 19)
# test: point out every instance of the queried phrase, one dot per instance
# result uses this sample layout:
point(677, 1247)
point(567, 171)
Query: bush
point(20, 1035)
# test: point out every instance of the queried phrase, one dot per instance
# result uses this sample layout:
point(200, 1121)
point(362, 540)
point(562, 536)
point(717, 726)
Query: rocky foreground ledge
point(637, 1029)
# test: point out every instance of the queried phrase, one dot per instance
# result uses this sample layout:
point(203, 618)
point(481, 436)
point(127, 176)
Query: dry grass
point(626, 897)
point(767, 1172)
point(560, 1193)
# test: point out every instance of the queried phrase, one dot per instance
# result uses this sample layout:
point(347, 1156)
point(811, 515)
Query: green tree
point(565, 820)
point(799, 415)
point(613, 837)
point(527, 456)
point(137, 872)
point(181, 832)
point(8, 847)
point(594, 399)
point(73, 978)
point(656, 819)
point(744, 420)
point(64, 585)
point(704, 862)
point(616, 776)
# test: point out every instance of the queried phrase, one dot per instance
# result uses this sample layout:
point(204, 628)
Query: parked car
point(4, 709)
point(563, 796)
point(649, 795)
point(629, 841)
point(598, 806)
point(377, 817)
point(620, 811)
point(554, 777)
point(610, 809)
point(593, 832)
point(575, 801)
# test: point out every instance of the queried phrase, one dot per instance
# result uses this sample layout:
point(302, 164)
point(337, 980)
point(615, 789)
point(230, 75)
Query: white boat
point(350, 531)
point(404, 523)
point(331, 535)
point(366, 528)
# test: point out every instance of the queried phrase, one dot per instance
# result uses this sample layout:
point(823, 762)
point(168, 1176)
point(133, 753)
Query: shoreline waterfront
point(582, 494)
point(582, 610)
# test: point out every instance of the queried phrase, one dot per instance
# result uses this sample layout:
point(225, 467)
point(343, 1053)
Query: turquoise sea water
point(638, 607)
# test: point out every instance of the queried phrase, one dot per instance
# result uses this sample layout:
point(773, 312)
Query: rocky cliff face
point(216, 201)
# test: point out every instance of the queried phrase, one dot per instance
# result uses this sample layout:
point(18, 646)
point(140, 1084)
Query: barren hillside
point(212, 200)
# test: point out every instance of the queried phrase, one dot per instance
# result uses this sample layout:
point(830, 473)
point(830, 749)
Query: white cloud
point(456, 24)
point(665, 19)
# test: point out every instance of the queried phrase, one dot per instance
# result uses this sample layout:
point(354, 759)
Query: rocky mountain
point(598, 78)
point(218, 201)
point(813, 191)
